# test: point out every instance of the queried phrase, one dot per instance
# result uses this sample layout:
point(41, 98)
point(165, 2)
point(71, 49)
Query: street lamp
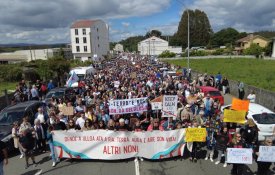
point(188, 41)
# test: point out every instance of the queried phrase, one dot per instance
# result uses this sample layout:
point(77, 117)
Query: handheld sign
point(195, 134)
point(239, 155)
point(156, 105)
point(169, 106)
point(234, 116)
point(266, 154)
point(239, 105)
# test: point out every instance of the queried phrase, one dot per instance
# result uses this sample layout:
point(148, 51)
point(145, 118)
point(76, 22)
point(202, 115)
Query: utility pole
point(188, 42)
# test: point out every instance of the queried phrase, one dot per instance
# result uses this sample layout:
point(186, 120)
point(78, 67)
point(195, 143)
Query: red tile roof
point(83, 23)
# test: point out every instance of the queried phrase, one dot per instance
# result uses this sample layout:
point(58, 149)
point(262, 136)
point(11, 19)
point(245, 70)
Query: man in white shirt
point(252, 97)
point(81, 120)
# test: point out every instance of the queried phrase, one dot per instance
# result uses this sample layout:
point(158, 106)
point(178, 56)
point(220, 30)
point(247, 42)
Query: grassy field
point(10, 86)
point(255, 72)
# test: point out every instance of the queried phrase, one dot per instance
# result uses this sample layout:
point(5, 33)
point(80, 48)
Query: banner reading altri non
point(111, 145)
point(126, 106)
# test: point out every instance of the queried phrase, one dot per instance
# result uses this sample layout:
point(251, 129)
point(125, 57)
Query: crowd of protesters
point(138, 77)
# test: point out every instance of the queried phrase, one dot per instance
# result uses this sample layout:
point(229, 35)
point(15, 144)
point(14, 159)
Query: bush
point(218, 52)
point(198, 53)
point(254, 49)
point(167, 54)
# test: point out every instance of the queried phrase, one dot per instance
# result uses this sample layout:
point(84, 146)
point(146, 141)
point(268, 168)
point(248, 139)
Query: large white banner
point(239, 155)
point(169, 108)
point(111, 145)
point(126, 106)
point(266, 154)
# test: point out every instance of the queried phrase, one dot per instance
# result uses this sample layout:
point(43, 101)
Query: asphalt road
point(123, 167)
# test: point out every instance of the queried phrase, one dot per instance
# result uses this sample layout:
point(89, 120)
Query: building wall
point(119, 48)
point(100, 39)
point(177, 50)
point(262, 43)
point(80, 37)
point(152, 46)
point(35, 54)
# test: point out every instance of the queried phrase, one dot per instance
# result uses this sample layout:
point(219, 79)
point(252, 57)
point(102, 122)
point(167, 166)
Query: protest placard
point(195, 135)
point(239, 155)
point(156, 105)
point(239, 105)
point(133, 75)
point(266, 154)
point(116, 84)
point(126, 106)
point(68, 110)
point(234, 116)
point(169, 106)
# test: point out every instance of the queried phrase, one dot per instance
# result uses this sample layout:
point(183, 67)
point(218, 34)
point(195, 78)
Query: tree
point(224, 37)
point(254, 49)
point(200, 28)
point(155, 33)
point(130, 44)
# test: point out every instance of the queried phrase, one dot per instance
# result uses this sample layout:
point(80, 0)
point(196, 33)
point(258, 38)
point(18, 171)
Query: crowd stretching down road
point(130, 77)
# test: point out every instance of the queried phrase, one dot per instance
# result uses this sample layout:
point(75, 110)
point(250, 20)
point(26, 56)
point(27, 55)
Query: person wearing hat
point(250, 134)
point(122, 126)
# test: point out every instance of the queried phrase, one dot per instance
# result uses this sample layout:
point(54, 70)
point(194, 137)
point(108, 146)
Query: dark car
point(63, 92)
point(14, 113)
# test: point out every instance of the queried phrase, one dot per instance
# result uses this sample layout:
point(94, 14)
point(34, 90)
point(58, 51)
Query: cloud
point(24, 18)
point(125, 24)
point(244, 15)
point(168, 29)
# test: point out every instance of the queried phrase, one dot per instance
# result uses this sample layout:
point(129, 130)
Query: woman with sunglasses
point(15, 136)
point(237, 142)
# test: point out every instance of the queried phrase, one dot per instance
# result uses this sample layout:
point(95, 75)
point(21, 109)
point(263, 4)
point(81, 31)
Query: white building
point(273, 48)
point(155, 46)
point(89, 39)
point(118, 48)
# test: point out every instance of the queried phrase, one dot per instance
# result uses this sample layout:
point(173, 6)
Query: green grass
point(255, 72)
point(10, 86)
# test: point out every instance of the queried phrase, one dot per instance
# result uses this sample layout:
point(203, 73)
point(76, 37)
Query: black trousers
point(263, 168)
point(237, 169)
point(241, 95)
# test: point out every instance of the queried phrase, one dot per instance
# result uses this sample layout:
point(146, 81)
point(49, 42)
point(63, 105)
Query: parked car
point(214, 93)
point(14, 113)
point(263, 118)
point(63, 92)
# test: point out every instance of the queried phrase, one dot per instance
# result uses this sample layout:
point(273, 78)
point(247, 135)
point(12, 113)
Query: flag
point(73, 78)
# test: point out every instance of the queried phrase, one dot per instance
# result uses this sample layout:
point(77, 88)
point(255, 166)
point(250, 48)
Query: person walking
point(263, 167)
point(252, 97)
point(241, 90)
point(50, 142)
point(225, 85)
point(15, 135)
point(27, 144)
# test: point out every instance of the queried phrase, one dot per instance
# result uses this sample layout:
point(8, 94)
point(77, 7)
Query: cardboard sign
point(195, 134)
point(234, 116)
point(156, 105)
point(169, 106)
point(68, 110)
point(240, 105)
point(239, 155)
point(266, 154)
point(133, 75)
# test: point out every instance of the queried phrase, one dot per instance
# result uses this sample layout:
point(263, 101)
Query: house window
point(76, 40)
point(97, 37)
point(84, 40)
point(84, 31)
point(258, 44)
point(85, 48)
point(97, 29)
point(98, 45)
point(76, 31)
point(77, 49)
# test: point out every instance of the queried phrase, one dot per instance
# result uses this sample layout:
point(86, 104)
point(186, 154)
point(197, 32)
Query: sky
point(49, 21)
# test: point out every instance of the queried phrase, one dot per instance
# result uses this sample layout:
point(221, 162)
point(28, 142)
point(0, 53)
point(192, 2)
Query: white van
point(82, 73)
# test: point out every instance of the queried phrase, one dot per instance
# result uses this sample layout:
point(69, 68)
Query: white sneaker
point(57, 160)
point(217, 162)
point(21, 156)
point(206, 158)
point(211, 159)
point(53, 164)
point(141, 159)
point(225, 165)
